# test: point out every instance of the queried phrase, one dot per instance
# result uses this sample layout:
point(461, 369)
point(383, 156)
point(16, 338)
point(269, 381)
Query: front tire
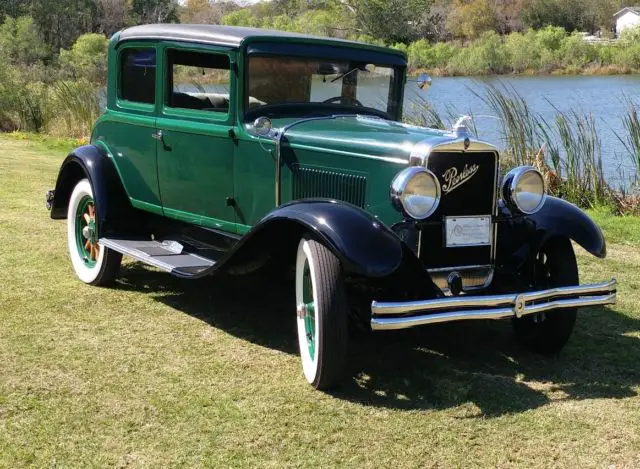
point(321, 308)
point(548, 333)
point(92, 263)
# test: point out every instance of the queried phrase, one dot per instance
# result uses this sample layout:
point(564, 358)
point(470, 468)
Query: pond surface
point(602, 96)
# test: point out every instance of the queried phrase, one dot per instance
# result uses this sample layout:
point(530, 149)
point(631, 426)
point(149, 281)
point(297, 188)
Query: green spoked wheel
point(86, 231)
point(92, 263)
point(321, 309)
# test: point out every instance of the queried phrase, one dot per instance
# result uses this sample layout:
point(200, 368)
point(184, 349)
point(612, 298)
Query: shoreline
point(601, 71)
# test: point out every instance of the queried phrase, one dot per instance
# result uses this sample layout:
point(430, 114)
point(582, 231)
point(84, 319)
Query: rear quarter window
point(138, 75)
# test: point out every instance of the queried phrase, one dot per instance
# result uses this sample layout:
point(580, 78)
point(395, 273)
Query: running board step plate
point(165, 255)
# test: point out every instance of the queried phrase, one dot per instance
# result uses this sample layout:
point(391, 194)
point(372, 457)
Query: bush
point(524, 51)
point(76, 105)
point(19, 41)
point(576, 53)
point(551, 37)
point(86, 60)
point(424, 55)
point(631, 34)
point(242, 17)
point(487, 55)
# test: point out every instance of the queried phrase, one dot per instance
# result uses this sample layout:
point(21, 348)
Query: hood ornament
point(460, 127)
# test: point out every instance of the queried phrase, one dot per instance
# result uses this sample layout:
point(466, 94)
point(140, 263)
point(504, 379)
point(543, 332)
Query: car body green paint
point(196, 168)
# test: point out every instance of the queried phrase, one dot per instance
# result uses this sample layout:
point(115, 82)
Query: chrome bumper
point(402, 315)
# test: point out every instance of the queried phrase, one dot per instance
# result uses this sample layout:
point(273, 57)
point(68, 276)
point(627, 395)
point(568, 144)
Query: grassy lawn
point(162, 372)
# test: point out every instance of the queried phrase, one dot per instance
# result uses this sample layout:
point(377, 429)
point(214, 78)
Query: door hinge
point(231, 202)
point(233, 136)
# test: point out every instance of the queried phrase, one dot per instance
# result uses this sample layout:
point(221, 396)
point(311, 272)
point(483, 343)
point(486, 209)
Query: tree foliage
point(87, 58)
point(470, 19)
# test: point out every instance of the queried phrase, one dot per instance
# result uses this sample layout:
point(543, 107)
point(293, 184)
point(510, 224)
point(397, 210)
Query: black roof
point(231, 36)
point(209, 33)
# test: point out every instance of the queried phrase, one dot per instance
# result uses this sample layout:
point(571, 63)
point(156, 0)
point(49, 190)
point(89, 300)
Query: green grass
point(162, 372)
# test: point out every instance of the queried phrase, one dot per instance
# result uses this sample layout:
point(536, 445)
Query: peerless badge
point(453, 180)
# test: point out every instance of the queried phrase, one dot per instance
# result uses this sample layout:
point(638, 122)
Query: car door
point(195, 149)
point(129, 130)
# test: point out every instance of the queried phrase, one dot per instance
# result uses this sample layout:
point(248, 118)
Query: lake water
point(602, 96)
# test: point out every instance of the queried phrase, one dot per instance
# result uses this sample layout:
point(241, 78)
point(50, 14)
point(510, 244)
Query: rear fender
point(112, 203)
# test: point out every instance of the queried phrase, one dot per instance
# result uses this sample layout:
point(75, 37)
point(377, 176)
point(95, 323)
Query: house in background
point(627, 18)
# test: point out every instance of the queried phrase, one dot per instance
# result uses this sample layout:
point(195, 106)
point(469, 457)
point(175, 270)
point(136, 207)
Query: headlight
point(415, 191)
point(523, 189)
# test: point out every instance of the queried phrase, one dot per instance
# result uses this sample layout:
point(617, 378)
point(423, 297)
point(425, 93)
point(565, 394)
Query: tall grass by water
point(566, 148)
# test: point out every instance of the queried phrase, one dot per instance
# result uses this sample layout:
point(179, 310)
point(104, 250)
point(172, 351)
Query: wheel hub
point(87, 235)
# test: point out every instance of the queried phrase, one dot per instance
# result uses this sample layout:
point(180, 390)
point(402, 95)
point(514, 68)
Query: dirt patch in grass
point(163, 372)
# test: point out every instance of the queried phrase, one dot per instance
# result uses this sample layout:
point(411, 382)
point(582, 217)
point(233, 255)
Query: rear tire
point(321, 308)
point(548, 333)
point(92, 263)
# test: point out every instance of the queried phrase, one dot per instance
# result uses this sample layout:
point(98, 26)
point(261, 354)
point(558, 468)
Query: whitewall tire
point(321, 311)
point(92, 263)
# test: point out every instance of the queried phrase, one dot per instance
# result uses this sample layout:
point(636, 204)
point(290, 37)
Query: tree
point(87, 59)
point(391, 21)
point(154, 11)
point(507, 15)
point(19, 41)
point(112, 15)
point(469, 19)
point(572, 15)
point(60, 22)
point(206, 11)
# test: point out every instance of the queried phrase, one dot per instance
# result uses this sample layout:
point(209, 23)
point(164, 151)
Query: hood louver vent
point(311, 183)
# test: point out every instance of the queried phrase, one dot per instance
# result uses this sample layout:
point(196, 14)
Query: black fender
point(370, 253)
point(558, 217)
point(112, 202)
point(521, 236)
point(364, 245)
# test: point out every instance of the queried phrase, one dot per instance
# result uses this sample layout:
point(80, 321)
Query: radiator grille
point(320, 183)
point(473, 195)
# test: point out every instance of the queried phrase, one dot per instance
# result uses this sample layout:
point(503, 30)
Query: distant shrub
point(87, 59)
point(401, 47)
point(575, 52)
point(631, 34)
point(242, 17)
point(488, 55)
point(551, 37)
point(76, 105)
point(424, 55)
point(524, 51)
point(627, 55)
point(20, 42)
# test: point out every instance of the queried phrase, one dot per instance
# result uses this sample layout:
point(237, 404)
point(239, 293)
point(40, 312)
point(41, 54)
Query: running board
point(165, 255)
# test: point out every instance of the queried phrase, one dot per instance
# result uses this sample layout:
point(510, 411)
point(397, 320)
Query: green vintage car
point(229, 149)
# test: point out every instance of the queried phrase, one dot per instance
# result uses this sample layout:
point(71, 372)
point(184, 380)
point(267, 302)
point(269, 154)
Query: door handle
point(157, 135)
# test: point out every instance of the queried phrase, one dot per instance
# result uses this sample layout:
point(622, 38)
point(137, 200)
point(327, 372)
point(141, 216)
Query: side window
point(138, 75)
point(198, 81)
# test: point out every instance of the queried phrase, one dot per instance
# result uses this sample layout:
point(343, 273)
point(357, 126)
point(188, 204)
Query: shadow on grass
point(434, 367)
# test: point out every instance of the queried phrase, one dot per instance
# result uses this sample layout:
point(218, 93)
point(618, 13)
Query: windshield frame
point(396, 86)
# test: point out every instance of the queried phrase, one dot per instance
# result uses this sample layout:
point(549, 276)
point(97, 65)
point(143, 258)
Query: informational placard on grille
point(468, 231)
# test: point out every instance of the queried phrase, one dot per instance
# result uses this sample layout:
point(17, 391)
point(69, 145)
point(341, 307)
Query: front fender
point(112, 203)
point(364, 245)
point(561, 218)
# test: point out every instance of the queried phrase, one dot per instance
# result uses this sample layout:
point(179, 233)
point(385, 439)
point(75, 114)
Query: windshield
point(287, 80)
